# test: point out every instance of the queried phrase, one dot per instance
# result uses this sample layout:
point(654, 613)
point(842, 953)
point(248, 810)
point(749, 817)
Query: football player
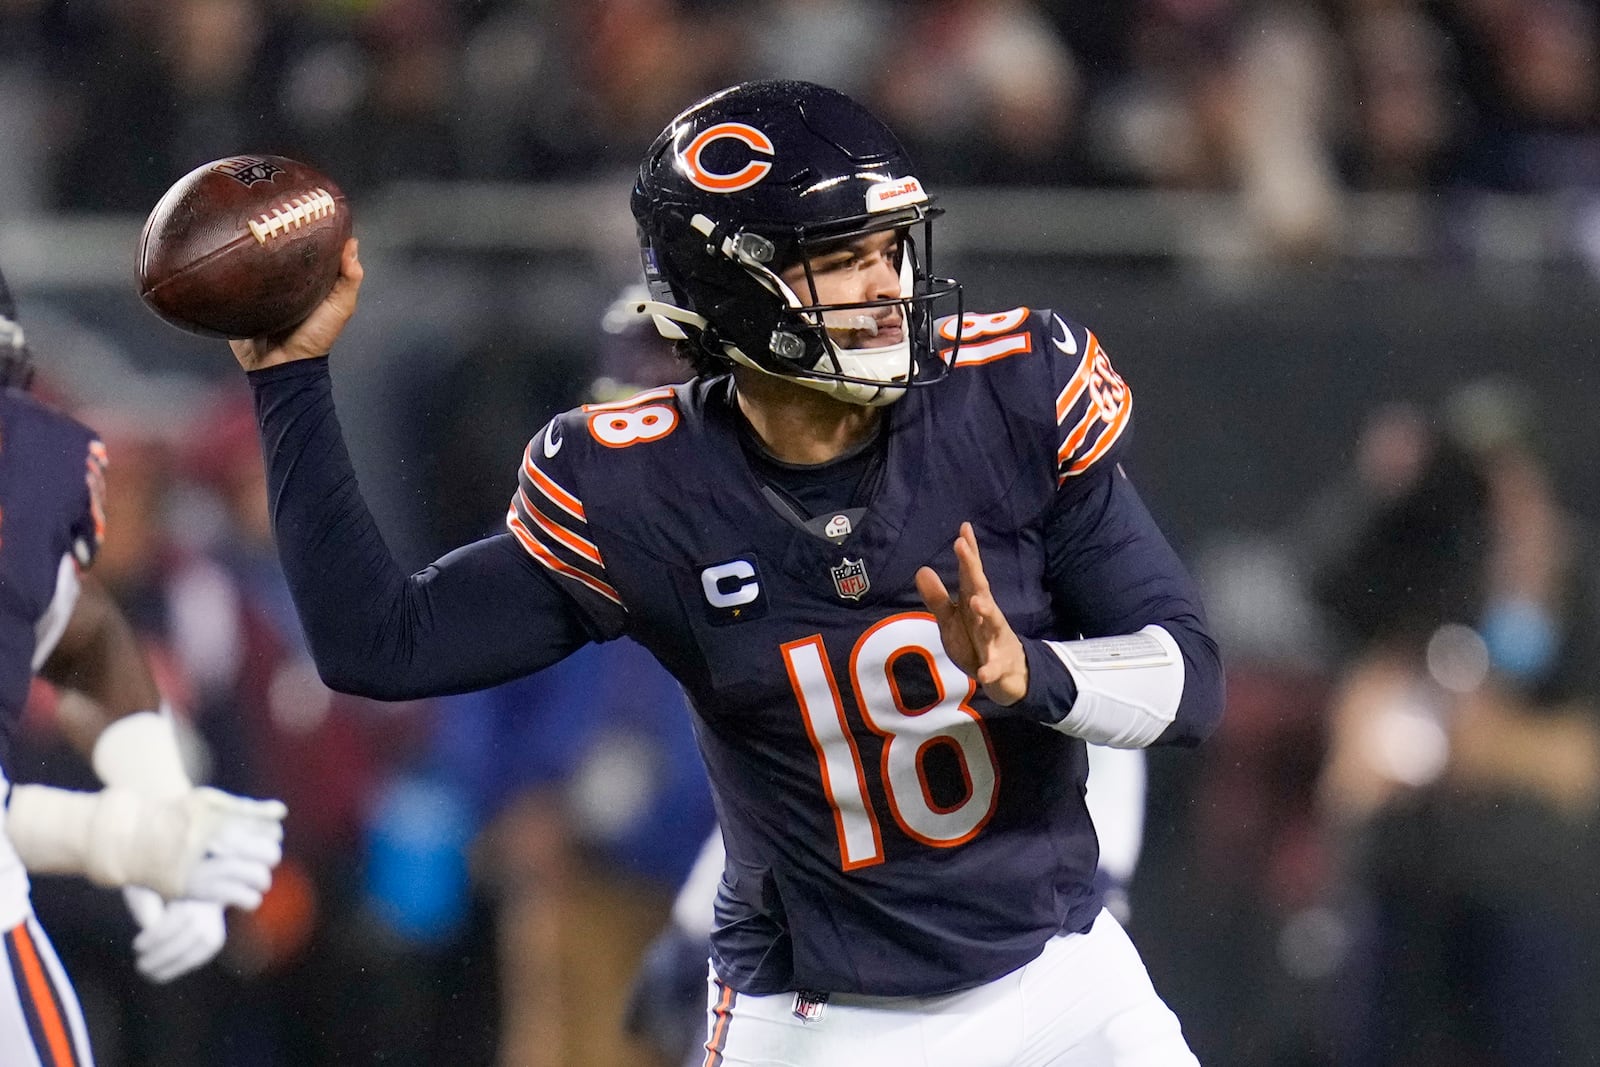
point(181, 853)
point(890, 555)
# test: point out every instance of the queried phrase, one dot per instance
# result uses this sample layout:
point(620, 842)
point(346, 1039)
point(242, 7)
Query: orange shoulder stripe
point(1078, 383)
point(1107, 438)
point(578, 545)
point(539, 552)
point(546, 485)
point(1075, 439)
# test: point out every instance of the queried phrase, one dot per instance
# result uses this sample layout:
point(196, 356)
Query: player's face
point(852, 272)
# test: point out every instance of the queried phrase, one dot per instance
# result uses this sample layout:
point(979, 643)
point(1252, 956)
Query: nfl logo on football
point(850, 579)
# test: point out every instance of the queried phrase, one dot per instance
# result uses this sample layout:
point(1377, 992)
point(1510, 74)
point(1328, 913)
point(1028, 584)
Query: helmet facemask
point(769, 326)
point(828, 345)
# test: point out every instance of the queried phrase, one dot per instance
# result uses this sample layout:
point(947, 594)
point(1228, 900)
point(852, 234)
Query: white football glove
point(174, 938)
point(230, 845)
point(203, 844)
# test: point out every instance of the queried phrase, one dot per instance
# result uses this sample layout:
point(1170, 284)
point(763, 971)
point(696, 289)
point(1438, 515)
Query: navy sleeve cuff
point(1051, 690)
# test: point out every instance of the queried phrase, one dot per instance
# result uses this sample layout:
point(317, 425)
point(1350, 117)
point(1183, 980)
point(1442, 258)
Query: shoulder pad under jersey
point(1052, 358)
point(547, 514)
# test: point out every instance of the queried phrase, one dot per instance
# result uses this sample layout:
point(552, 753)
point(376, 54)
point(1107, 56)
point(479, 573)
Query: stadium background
point(1293, 224)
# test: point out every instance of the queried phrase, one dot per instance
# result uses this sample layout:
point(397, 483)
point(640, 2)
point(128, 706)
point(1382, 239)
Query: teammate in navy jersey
point(181, 853)
point(898, 769)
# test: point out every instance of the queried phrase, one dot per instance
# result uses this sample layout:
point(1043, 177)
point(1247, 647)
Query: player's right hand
point(314, 337)
point(174, 938)
point(976, 635)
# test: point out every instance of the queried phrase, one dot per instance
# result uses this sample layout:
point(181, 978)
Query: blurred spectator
point(1402, 119)
point(1287, 182)
point(391, 72)
point(980, 91)
point(345, 909)
point(1221, 95)
point(147, 91)
point(1533, 78)
point(23, 145)
point(573, 88)
point(1168, 122)
point(1463, 777)
point(588, 785)
point(1239, 837)
point(832, 42)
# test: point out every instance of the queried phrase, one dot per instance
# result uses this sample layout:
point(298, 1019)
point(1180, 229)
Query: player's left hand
point(976, 635)
point(174, 937)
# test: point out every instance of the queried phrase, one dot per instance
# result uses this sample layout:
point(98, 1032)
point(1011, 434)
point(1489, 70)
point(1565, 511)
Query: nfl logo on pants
point(850, 578)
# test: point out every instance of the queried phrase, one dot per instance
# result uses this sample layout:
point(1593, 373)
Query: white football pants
point(41, 1024)
point(1085, 1001)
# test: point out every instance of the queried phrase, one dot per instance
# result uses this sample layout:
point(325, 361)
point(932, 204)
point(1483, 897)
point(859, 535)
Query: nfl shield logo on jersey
point(850, 579)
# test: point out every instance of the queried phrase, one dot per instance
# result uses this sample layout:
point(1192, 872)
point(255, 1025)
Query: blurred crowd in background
point(1387, 854)
point(1288, 99)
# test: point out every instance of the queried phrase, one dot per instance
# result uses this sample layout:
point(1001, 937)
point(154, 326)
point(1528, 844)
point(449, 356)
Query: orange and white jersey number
point(908, 733)
point(649, 416)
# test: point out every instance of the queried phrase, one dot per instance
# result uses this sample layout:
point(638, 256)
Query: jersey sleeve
point(1111, 571)
point(1093, 405)
point(548, 519)
point(480, 615)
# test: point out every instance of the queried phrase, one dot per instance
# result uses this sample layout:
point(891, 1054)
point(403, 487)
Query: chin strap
point(668, 316)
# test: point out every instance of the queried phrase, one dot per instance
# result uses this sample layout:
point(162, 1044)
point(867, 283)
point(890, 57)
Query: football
point(243, 246)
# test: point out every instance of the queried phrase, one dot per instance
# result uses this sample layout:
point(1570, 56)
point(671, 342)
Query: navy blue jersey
point(889, 830)
point(51, 479)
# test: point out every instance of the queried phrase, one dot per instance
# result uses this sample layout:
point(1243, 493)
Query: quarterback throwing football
point(891, 556)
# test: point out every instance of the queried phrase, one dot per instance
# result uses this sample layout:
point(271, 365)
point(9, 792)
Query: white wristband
point(140, 752)
point(1128, 687)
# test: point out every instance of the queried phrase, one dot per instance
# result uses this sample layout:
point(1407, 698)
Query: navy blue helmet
point(755, 179)
point(15, 369)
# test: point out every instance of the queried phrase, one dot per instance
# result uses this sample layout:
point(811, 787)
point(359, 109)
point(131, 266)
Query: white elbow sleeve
point(1128, 687)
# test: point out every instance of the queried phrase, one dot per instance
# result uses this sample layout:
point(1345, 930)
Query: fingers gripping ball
point(243, 246)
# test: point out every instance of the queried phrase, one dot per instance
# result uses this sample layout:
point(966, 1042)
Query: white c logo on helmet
point(745, 176)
